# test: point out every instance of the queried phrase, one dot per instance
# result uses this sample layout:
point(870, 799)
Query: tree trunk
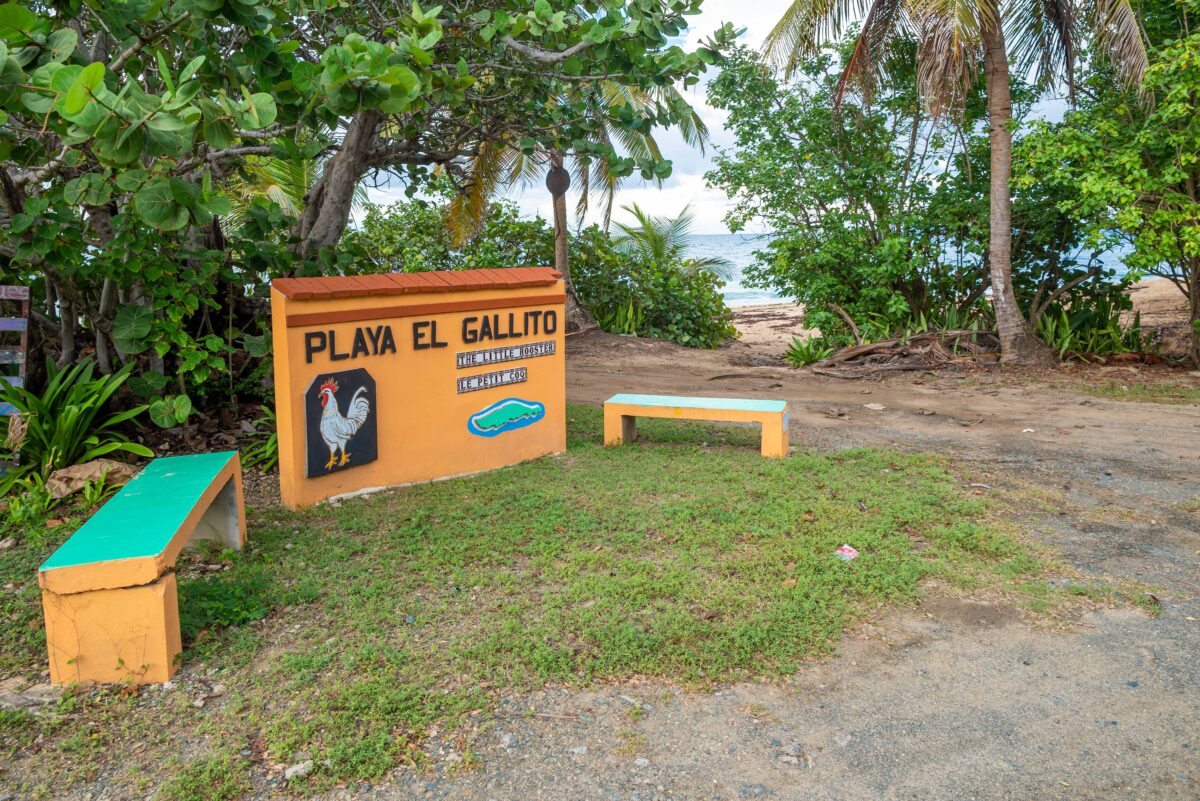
point(1193, 280)
point(1018, 345)
point(108, 305)
point(578, 317)
point(327, 205)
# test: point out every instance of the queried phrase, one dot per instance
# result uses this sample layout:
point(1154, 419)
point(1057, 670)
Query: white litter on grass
point(846, 553)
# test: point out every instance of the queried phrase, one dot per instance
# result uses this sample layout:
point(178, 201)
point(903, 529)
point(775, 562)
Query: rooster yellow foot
point(345, 458)
point(332, 461)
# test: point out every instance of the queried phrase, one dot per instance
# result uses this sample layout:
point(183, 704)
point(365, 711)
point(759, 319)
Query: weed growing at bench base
point(686, 556)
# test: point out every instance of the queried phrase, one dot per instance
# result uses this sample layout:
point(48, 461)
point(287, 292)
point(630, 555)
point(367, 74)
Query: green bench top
point(143, 518)
point(729, 404)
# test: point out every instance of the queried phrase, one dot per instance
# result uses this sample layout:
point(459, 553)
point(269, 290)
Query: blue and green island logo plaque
point(506, 415)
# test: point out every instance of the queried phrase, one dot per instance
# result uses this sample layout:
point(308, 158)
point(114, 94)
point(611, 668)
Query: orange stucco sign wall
point(392, 379)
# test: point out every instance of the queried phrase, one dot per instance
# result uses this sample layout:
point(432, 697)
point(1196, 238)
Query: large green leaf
point(61, 44)
point(260, 111)
point(17, 22)
point(156, 204)
point(80, 92)
point(148, 384)
point(171, 410)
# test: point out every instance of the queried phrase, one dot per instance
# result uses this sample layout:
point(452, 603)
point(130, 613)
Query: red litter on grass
point(846, 553)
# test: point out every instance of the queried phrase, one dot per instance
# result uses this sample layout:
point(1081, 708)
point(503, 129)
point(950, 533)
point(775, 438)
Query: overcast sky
point(686, 184)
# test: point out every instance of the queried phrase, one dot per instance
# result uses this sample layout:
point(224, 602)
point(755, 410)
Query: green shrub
point(263, 450)
point(668, 298)
point(804, 352)
point(1094, 329)
point(65, 423)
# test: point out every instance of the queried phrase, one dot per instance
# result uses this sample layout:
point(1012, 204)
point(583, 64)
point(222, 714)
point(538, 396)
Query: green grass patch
point(220, 777)
point(685, 555)
point(1148, 393)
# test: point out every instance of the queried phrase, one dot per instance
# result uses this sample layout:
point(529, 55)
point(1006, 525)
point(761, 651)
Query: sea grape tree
point(124, 121)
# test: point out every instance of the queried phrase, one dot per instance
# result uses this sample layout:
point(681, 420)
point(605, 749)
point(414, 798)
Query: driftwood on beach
point(929, 351)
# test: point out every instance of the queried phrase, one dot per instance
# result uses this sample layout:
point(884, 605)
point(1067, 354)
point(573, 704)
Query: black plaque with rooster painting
point(340, 422)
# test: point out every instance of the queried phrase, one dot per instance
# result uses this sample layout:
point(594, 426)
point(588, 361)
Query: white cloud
point(686, 184)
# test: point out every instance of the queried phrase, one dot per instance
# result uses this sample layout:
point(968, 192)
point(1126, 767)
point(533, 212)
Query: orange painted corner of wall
point(114, 636)
point(383, 389)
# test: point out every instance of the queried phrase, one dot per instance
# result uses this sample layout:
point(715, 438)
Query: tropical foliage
point(1133, 167)
point(952, 41)
point(131, 129)
point(67, 422)
point(665, 240)
point(652, 290)
point(879, 212)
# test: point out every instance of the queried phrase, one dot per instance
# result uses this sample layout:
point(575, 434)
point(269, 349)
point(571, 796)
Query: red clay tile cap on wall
point(347, 286)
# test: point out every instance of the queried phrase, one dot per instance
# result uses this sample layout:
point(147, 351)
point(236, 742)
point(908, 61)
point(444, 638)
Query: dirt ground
point(955, 699)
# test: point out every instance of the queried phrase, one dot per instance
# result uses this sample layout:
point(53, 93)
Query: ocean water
point(739, 249)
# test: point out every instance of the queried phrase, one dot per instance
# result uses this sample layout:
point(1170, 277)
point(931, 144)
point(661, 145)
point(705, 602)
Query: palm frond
point(1120, 36)
point(1042, 35)
point(806, 25)
point(722, 268)
point(692, 127)
point(885, 20)
point(468, 208)
point(948, 49)
point(665, 240)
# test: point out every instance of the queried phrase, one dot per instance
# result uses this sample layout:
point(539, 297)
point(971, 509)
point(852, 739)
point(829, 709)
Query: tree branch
point(840, 312)
point(137, 46)
point(43, 172)
point(545, 56)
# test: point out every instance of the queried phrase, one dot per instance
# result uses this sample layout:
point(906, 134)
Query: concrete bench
point(109, 593)
point(621, 413)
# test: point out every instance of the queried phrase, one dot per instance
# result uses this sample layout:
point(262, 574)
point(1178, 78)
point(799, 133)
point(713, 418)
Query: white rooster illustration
point(337, 429)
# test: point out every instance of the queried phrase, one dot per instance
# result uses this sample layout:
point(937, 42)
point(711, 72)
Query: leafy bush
point(656, 300)
point(1095, 331)
point(804, 352)
point(883, 218)
point(263, 450)
point(65, 423)
point(664, 298)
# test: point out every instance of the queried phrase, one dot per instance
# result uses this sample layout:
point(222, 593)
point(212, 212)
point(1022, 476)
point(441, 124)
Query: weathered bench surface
point(621, 412)
point(715, 404)
point(109, 593)
point(140, 526)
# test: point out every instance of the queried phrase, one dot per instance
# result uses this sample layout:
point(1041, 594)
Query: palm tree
point(283, 181)
point(665, 240)
point(501, 163)
point(953, 38)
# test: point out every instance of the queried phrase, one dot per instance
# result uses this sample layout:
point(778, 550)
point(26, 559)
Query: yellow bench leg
point(619, 428)
point(113, 636)
point(775, 436)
